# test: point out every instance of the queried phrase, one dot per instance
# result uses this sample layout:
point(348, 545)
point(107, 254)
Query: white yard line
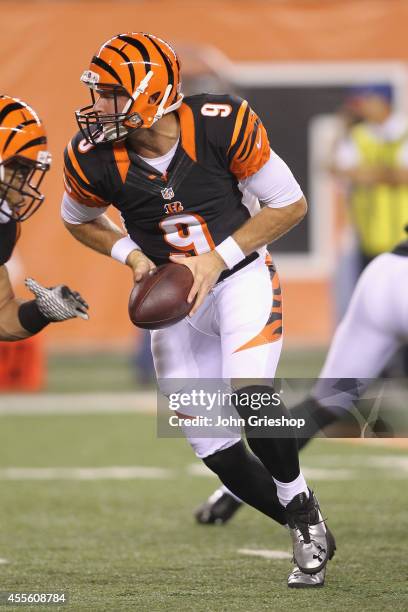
point(78, 403)
point(396, 467)
point(391, 462)
point(199, 469)
point(4, 561)
point(102, 473)
point(265, 554)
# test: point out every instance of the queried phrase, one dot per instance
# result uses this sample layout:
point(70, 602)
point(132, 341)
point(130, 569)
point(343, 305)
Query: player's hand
point(58, 303)
point(206, 269)
point(140, 264)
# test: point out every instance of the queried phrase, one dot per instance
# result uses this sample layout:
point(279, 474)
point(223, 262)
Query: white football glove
point(58, 303)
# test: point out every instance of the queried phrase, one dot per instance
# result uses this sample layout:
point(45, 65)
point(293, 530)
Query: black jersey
point(8, 237)
point(196, 204)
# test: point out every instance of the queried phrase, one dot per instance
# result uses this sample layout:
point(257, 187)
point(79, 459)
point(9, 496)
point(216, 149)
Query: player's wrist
point(230, 252)
point(134, 258)
point(123, 249)
point(220, 262)
point(31, 318)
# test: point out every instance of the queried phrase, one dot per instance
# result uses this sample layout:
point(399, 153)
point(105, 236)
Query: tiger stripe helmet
point(142, 67)
point(24, 159)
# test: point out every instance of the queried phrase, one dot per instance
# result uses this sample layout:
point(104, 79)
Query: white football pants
point(374, 327)
point(236, 333)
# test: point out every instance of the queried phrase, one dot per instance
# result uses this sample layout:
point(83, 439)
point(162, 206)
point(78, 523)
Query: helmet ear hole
point(154, 97)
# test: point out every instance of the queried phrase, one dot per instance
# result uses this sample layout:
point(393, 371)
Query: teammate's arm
point(20, 319)
point(10, 326)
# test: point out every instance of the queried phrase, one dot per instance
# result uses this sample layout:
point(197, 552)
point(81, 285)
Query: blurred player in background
point(374, 327)
point(186, 175)
point(23, 164)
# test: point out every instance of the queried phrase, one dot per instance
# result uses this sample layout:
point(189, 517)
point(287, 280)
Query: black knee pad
point(227, 460)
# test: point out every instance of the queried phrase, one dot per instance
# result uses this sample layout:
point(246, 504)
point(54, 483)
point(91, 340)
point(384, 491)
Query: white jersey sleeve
point(75, 213)
point(274, 184)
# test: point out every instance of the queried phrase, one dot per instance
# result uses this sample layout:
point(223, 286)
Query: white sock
point(287, 490)
point(224, 489)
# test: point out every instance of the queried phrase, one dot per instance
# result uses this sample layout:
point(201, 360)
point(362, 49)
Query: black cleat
point(219, 508)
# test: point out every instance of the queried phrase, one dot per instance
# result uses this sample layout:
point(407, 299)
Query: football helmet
point(23, 159)
point(142, 68)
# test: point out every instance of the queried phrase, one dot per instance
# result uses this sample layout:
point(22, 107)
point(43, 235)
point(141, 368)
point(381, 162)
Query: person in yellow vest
point(373, 160)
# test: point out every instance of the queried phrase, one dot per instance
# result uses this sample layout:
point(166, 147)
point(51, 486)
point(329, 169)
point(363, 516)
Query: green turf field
point(131, 543)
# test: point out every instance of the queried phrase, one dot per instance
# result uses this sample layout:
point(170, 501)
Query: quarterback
point(187, 175)
point(23, 164)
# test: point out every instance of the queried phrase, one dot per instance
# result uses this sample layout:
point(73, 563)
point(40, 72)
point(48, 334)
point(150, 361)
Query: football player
point(23, 164)
point(187, 175)
point(374, 328)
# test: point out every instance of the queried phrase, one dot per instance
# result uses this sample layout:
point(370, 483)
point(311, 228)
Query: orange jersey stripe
point(122, 160)
point(75, 163)
point(246, 139)
point(238, 123)
point(80, 194)
point(187, 131)
point(254, 151)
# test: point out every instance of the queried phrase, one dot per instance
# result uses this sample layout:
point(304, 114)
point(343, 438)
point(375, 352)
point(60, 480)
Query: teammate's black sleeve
point(8, 239)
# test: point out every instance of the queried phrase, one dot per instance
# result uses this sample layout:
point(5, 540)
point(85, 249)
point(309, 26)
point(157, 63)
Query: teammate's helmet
point(23, 159)
point(141, 67)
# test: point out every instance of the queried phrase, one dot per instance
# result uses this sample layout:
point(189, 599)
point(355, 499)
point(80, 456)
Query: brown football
point(160, 299)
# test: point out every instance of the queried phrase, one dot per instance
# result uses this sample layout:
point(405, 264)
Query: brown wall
point(45, 46)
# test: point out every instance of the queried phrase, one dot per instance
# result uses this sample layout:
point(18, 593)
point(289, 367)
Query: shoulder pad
point(216, 115)
point(228, 123)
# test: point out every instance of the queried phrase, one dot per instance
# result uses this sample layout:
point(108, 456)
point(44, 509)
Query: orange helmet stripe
point(128, 63)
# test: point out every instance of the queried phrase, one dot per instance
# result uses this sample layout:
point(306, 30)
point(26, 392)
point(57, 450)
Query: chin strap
point(175, 105)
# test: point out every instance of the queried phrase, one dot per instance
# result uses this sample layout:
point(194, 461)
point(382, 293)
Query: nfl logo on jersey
point(167, 193)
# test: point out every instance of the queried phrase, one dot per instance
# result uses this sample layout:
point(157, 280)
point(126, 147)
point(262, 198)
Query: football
point(160, 299)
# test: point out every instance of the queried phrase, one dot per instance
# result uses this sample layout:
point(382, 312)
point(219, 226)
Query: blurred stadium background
point(294, 60)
